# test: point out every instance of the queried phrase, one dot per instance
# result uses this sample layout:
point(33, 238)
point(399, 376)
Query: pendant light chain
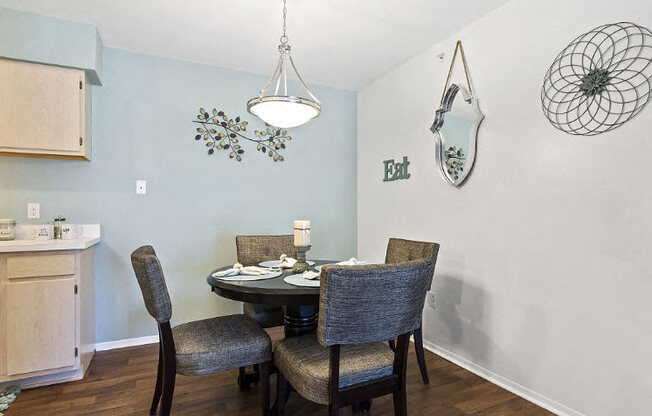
point(284, 38)
point(284, 49)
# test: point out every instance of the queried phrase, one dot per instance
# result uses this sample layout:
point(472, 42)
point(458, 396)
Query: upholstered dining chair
point(400, 250)
point(198, 347)
point(253, 249)
point(347, 361)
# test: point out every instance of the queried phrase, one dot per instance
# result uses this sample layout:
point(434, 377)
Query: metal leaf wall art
point(219, 132)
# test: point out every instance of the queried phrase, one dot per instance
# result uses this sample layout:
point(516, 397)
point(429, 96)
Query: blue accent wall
point(195, 203)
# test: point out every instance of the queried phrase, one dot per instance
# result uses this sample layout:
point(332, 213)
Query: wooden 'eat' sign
point(395, 171)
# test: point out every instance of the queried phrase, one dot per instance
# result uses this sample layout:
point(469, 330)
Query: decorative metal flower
point(220, 132)
point(600, 81)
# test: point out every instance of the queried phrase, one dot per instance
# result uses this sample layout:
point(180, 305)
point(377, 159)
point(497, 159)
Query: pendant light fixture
point(281, 109)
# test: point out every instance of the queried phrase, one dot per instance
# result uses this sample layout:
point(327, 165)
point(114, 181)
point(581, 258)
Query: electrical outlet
point(141, 187)
point(432, 300)
point(33, 210)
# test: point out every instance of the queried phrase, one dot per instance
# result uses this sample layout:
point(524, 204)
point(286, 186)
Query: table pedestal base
point(300, 319)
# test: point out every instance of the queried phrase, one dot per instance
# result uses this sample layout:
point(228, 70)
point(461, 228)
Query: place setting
point(247, 273)
point(311, 278)
point(305, 273)
point(284, 262)
point(270, 269)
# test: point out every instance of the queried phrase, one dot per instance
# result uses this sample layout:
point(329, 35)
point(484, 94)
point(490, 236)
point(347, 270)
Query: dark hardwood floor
point(121, 382)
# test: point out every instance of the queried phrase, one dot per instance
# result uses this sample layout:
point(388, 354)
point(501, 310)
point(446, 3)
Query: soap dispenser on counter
point(57, 227)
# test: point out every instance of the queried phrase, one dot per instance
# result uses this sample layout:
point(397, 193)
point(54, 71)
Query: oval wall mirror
point(456, 129)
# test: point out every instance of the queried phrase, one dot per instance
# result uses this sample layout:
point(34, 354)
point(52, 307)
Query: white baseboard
point(123, 343)
point(522, 391)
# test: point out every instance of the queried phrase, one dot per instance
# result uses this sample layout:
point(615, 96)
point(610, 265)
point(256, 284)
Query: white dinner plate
point(297, 280)
point(247, 278)
point(274, 263)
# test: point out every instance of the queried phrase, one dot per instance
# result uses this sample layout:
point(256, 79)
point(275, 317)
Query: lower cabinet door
point(40, 325)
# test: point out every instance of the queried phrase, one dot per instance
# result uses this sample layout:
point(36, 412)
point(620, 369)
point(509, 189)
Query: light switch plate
point(141, 187)
point(33, 210)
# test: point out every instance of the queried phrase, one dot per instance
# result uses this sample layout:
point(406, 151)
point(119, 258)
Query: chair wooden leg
point(400, 402)
point(264, 391)
point(334, 380)
point(242, 378)
point(392, 344)
point(169, 378)
point(159, 382)
point(400, 367)
point(281, 393)
point(256, 374)
point(245, 379)
point(421, 358)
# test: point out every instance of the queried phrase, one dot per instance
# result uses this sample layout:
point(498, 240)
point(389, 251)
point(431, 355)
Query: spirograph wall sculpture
point(600, 81)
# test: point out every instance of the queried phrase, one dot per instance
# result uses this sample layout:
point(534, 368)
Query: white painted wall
point(545, 273)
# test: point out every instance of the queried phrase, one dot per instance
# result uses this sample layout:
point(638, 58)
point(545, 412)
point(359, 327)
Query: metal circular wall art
point(599, 81)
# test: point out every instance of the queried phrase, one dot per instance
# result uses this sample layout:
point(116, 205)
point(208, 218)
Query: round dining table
point(300, 303)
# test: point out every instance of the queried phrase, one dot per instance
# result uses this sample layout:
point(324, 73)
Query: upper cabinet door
point(43, 110)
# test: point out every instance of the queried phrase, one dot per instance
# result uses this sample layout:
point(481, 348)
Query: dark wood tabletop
point(267, 291)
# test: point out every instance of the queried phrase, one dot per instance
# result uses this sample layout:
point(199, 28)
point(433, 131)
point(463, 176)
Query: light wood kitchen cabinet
point(47, 325)
point(45, 111)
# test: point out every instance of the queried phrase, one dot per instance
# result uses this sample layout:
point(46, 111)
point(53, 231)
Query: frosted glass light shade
point(283, 111)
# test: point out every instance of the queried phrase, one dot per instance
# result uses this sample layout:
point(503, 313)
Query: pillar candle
point(301, 233)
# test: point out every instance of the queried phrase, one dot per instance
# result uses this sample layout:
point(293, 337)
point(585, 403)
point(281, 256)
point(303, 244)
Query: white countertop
point(90, 237)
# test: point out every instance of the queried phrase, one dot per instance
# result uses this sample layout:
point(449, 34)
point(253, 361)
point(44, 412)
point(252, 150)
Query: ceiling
point(339, 43)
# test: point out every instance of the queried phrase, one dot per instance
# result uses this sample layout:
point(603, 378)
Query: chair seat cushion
point(305, 364)
point(219, 344)
point(267, 316)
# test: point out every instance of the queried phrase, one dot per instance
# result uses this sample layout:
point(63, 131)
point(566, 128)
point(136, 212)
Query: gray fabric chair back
point(253, 249)
point(152, 283)
point(400, 250)
point(379, 302)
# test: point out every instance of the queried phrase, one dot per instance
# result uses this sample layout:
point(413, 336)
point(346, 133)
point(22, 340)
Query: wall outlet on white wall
point(33, 210)
point(141, 187)
point(431, 300)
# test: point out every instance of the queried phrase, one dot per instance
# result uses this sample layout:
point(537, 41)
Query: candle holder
point(301, 265)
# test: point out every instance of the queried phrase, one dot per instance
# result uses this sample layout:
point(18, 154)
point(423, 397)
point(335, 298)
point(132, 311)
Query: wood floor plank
point(121, 383)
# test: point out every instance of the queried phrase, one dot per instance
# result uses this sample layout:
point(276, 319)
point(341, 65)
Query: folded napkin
point(286, 262)
point(238, 269)
point(352, 262)
point(310, 275)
